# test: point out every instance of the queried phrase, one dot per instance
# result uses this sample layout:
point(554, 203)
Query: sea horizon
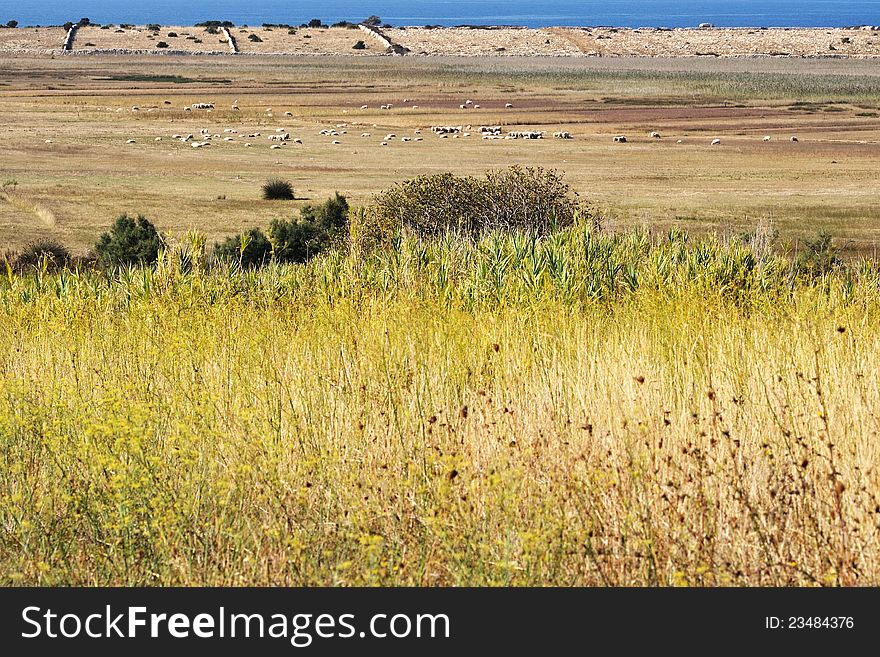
point(588, 13)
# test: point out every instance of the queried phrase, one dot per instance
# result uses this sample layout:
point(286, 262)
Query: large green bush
point(129, 241)
point(529, 199)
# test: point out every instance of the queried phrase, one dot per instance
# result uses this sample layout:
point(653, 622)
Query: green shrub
point(161, 44)
point(359, 45)
point(330, 217)
point(295, 241)
point(820, 255)
point(317, 228)
point(129, 241)
point(54, 254)
point(250, 249)
point(172, 34)
point(529, 199)
point(254, 38)
point(277, 190)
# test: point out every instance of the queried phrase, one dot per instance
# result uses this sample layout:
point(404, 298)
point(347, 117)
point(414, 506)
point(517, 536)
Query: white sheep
point(715, 142)
point(766, 137)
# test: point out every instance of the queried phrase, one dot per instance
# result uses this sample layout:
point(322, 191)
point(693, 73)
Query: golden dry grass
point(599, 411)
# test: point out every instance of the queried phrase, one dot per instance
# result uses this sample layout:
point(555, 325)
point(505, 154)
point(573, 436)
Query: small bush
point(292, 30)
point(54, 254)
point(330, 217)
point(129, 241)
point(359, 45)
point(196, 40)
point(250, 249)
point(819, 257)
point(295, 241)
point(154, 27)
point(161, 44)
point(277, 190)
point(255, 38)
point(212, 30)
point(172, 34)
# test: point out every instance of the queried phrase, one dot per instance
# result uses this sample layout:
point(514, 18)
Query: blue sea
point(534, 13)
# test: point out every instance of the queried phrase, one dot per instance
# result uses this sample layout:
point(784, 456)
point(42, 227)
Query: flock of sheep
point(282, 136)
point(621, 139)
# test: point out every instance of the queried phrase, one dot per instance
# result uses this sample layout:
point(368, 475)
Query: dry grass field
point(89, 174)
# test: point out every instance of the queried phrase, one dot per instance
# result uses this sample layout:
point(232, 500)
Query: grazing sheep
point(365, 134)
point(620, 139)
point(247, 145)
point(476, 107)
point(230, 131)
point(468, 102)
point(415, 107)
point(524, 134)
point(445, 129)
point(228, 139)
point(297, 141)
point(390, 135)
point(655, 135)
point(135, 109)
point(384, 143)
point(715, 142)
point(187, 109)
point(767, 138)
point(48, 141)
point(462, 106)
point(419, 139)
point(235, 108)
point(131, 141)
point(405, 139)
point(364, 106)
point(288, 114)
point(794, 139)
point(282, 137)
point(335, 142)
point(274, 146)
point(158, 139)
point(508, 105)
point(203, 106)
point(562, 135)
point(678, 141)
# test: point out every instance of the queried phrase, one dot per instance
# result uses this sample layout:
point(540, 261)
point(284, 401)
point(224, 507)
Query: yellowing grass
point(280, 427)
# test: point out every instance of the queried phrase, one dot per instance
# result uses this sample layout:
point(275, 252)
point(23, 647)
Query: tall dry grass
point(575, 410)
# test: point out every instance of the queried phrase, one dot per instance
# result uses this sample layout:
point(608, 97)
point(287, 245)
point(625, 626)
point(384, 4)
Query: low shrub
point(255, 38)
point(161, 44)
point(318, 227)
point(53, 254)
point(277, 190)
point(249, 249)
point(820, 256)
point(359, 45)
point(129, 241)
